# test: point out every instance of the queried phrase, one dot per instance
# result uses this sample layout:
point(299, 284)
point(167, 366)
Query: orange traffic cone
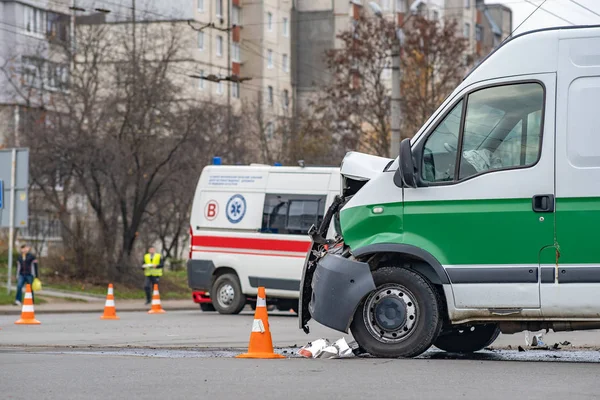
point(110, 312)
point(156, 307)
point(261, 345)
point(27, 313)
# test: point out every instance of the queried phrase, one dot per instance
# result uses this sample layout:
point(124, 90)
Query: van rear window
point(292, 214)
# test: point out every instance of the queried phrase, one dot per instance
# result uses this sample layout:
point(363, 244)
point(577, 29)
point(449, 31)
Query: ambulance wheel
point(226, 294)
point(400, 318)
point(467, 339)
point(207, 307)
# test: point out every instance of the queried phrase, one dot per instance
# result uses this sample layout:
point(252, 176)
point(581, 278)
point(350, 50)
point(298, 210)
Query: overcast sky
point(568, 10)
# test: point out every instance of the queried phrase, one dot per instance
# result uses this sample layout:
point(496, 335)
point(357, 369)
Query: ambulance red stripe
point(296, 246)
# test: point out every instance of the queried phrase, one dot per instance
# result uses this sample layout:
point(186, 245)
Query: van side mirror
point(406, 173)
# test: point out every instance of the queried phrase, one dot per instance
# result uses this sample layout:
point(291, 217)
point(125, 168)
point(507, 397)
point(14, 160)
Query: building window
point(400, 6)
point(478, 33)
point(269, 131)
point(467, 32)
point(270, 95)
point(286, 29)
point(201, 40)
point(284, 63)
point(201, 81)
point(219, 8)
point(29, 71)
point(467, 3)
point(270, 21)
point(219, 46)
point(201, 5)
point(269, 58)
point(45, 74)
point(236, 15)
point(34, 19)
point(286, 99)
point(235, 52)
point(57, 26)
point(435, 15)
point(235, 90)
point(219, 88)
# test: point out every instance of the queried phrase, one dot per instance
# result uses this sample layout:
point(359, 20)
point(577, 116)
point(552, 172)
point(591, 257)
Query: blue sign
point(1, 195)
point(236, 208)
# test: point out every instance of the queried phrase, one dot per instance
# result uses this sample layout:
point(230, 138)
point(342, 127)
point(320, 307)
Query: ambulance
point(486, 222)
point(249, 228)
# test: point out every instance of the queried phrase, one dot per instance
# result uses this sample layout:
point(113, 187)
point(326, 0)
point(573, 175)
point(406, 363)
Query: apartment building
point(265, 43)
point(485, 26)
point(32, 33)
point(215, 49)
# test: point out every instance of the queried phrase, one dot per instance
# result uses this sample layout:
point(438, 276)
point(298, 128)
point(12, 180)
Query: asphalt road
point(191, 329)
point(189, 353)
point(42, 375)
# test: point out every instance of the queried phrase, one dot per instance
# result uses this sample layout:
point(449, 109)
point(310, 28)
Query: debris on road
point(322, 348)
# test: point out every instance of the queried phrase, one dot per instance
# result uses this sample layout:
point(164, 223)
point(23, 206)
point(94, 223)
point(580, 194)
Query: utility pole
point(229, 5)
point(396, 106)
point(133, 33)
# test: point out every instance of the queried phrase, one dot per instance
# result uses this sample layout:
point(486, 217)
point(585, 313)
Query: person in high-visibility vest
point(153, 269)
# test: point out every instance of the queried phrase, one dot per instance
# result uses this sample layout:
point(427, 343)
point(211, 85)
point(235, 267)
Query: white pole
point(11, 215)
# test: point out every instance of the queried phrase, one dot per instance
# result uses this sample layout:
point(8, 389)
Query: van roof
point(269, 168)
point(511, 38)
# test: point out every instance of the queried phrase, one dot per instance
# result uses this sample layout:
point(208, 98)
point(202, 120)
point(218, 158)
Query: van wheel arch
point(412, 257)
point(222, 271)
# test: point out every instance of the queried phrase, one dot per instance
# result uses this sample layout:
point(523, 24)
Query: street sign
point(14, 169)
point(21, 194)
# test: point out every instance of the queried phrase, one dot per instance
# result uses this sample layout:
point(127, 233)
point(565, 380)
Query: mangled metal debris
point(322, 348)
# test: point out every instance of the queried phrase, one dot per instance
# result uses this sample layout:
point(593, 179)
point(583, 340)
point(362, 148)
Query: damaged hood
point(363, 167)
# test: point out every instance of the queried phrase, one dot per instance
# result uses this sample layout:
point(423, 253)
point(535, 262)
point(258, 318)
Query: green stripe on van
point(457, 232)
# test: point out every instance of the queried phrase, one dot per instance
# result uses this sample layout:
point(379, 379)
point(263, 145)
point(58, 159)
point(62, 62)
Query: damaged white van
point(488, 220)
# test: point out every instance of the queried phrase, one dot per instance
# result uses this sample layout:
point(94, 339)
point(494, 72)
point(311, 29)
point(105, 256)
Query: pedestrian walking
point(153, 269)
point(27, 271)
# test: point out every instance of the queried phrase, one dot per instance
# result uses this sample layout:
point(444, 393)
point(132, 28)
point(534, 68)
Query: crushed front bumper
point(337, 285)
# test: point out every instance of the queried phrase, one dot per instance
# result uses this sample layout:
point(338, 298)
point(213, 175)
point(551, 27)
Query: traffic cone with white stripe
point(27, 313)
point(261, 345)
point(156, 307)
point(110, 312)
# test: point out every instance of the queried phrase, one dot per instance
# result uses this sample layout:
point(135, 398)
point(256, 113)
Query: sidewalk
point(98, 307)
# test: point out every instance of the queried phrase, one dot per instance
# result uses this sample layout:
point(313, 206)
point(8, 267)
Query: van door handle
point(543, 203)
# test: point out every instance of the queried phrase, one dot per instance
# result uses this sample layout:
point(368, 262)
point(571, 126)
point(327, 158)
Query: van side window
point(439, 153)
point(502, 128)
point(292, 214)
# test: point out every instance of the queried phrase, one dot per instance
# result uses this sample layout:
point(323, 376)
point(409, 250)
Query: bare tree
point(433, 63)
point(117, 136)
point(357, 101)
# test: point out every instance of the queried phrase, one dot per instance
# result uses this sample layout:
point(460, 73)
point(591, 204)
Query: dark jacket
point(27, 265)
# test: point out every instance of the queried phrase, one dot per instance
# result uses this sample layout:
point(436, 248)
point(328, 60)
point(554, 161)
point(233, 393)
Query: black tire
point(467, 339)
point(207, 307)
point(426, 315)
point(236, 301)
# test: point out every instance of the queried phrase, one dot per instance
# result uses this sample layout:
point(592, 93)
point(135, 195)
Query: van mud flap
point(310, 263)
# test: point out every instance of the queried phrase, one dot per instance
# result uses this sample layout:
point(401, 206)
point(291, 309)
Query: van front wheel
point(400, 318)
point(467, 339)
point(226, 294)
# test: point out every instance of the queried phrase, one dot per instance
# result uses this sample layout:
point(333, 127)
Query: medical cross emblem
point(236, 208)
